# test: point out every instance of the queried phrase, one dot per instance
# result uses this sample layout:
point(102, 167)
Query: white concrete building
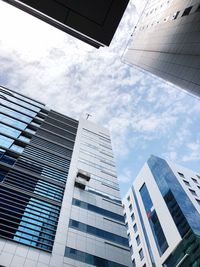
point(60, 201)
point(166, 42)
point(162, 213)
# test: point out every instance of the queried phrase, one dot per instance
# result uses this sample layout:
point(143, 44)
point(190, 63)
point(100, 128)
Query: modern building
point(166, 42)
point(162, 212)
point(92, 21)
point(60, 203)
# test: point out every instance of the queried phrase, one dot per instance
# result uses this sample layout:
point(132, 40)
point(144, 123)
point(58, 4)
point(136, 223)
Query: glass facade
point(154, 222)
point(87, 206)
point(171, 189)
point(183, 212)
point(144, 230)
point(187, 253)
point(33, 169)
point(98, 232)
point(89, 258)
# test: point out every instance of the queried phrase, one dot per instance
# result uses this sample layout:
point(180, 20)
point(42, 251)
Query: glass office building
point(162, 212)
point(60, 203)
point(166, 40)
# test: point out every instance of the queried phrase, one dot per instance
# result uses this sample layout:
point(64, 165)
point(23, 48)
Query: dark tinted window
point(187, 11)
point(98, 210)
point(98, 232)
point(156, 227)
point(89, 258)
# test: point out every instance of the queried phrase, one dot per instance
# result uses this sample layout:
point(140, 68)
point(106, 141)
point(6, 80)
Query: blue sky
point(145, 115)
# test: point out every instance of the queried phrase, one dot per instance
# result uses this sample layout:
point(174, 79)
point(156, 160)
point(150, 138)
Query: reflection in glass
point(5, 141)
point(154, 222)
point(15, 114)
point(12, 122)
point(28, 220)
point(18, 108)
point(9, 130)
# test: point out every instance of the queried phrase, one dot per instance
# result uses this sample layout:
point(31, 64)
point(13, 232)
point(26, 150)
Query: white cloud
point(193, 152)
point(74, 78)
point(125, 176)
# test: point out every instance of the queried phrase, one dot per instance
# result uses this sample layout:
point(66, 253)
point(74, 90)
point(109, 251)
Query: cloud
point(125, 176)
point(145, 115)
point(193, 152)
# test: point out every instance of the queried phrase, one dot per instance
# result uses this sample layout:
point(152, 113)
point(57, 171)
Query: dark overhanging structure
point(92, 21)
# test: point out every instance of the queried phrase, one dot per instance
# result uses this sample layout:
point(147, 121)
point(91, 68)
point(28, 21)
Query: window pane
point(154, 222)
point(15, 114)
point(141, 254)
point(12, 122)
point(17, 148)
point(10, 131)
point(17, 107)
point(24, 138)
point(5, 141)
point(8, 94)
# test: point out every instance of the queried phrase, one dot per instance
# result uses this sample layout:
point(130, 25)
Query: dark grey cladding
point(92, 21)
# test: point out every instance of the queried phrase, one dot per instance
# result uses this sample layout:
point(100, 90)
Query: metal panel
point(92, 21)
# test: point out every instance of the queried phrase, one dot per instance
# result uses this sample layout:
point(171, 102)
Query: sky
point(145, 115)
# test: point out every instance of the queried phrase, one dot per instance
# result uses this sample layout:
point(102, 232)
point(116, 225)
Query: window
point(9, 131)
point(198, 8)
point(133, 262)
point(89, 258)
point(132, 217)
point(198, 201)
point(15, 114)
point(35, 222)
point(85, 228)
point(186, 182)
point(138, 240)
point(176, 213)
point(181, 174)
point(12, 122)
point(24, 138)
point(141, 254)
point(126, 226)
point(2, 175)
point(30, 130)
point(5, 158)
point(128, 198)
point(135, 227)
point(194, 180)
point(193, 192)
point(131, 250)
point(125, 217)
point(129, 237)
point(47, 171)
point(130, 207)
point(187, 11)
point(5, 141)
point(96, 209)
point(176, 15)
point(17, 148)
point(154, 222)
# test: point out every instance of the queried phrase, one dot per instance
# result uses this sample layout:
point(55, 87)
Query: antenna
point(88, 115)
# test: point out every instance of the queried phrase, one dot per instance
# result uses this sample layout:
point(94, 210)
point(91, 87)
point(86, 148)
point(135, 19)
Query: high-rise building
point(166, 42)
point(92, 21)
point(60, 202)
point(162, 212)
